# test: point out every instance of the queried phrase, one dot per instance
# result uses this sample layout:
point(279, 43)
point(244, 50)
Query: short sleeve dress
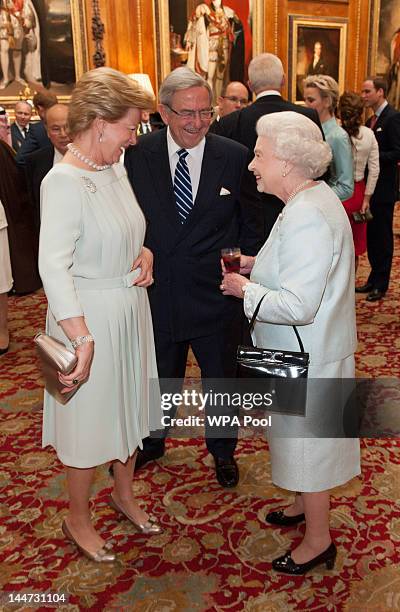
point(92, 230)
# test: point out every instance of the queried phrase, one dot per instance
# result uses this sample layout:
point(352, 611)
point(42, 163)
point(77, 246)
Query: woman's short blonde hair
point(296, 139)
point(107, 94)
point(327, 86)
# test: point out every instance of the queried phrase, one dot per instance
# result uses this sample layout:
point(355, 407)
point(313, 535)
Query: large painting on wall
point(42, 44)
point(215, 38)
point(316, 46)
point(384, 58)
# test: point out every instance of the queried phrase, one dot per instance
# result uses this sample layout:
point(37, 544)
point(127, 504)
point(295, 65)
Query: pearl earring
point(284, 173)
point(101, 138)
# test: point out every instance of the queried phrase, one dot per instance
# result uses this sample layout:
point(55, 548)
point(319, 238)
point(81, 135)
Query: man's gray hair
point(181, 78)
point(296, 139)
point(265, 72)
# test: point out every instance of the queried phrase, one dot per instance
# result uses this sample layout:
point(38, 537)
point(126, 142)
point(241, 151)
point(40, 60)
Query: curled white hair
point(297, 140)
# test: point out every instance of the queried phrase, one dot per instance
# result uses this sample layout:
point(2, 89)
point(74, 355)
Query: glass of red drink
point(231, 259)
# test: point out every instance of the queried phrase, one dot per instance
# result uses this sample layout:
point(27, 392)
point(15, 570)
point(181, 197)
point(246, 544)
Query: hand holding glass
point(231, 259)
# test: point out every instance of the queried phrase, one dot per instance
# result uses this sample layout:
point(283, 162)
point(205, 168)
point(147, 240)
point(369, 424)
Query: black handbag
point(285, 372)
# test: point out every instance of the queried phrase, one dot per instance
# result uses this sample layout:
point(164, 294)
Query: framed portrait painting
point(215, 38)
point(384, 55)
point(42, 44)
point(316, 46)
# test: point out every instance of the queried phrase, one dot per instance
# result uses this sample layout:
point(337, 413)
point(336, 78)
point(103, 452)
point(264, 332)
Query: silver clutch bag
point(55, 357)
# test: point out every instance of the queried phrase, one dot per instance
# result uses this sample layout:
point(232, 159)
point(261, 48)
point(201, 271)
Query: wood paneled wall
point(130, 32)
point(129, 38)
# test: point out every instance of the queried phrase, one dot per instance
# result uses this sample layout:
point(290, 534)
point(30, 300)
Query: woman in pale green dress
point(95, 271)
point(321, 92)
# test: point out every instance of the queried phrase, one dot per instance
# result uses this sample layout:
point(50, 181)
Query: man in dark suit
point(266, 79)
point(149, 122)
point(318, 64)
point(20, 127)
point(39, 163)
point(386, 126)
point(37, 137)
point(187, 183)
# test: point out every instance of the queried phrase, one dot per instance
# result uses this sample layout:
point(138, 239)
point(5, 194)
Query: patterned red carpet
point(215, 552)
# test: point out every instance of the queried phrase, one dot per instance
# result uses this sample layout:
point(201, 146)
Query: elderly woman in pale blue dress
point(305, 270)
point(321, 92)
point(95, 271)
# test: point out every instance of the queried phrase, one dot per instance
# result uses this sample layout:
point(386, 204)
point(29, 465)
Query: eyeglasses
point(205, 113)
point(241, 101)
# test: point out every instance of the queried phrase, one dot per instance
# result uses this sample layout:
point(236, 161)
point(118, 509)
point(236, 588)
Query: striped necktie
point(183, 186)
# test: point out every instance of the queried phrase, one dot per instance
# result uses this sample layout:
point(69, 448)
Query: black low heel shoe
point(277, 517)
point(286, 564)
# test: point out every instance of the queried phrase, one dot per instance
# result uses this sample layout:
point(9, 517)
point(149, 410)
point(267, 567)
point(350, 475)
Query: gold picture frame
point(167, 57)
point(316, 45)
point(381, 60)
point(67, 31)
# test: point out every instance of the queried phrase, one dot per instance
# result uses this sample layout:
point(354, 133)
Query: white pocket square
point(379, 129)
point(224, 191)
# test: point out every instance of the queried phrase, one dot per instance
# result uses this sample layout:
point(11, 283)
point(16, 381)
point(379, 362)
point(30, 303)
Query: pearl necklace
point(297, 189)
point(86, 160)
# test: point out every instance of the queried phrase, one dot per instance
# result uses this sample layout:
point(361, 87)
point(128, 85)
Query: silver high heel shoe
point(150, 527)
point(103, 555)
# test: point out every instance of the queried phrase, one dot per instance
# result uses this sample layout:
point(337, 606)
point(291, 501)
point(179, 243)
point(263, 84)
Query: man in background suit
point(385, 124)
point(37, 137)
point(234, 96)
point(39, 163)
point(20, 127)
point(187, 183)
point(266, 79)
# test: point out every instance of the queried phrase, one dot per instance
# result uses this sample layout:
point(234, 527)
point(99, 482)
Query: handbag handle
point(253, 320)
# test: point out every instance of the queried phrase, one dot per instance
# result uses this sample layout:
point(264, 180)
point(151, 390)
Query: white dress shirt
point(268, 92)
point(22, 130)
point(194, 160)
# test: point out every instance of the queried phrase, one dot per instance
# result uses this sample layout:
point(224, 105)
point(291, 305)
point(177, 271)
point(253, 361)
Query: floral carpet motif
point(215, 551)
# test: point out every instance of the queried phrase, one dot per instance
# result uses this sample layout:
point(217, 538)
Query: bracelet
point(79, 340)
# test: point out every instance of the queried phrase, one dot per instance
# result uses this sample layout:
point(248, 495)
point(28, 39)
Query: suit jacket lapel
point(381, 118)
point(160, 171)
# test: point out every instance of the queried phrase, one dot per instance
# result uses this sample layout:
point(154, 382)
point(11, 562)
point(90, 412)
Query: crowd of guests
point(129, 256)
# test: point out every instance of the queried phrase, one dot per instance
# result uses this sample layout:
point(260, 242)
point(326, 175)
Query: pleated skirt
point(114, 410)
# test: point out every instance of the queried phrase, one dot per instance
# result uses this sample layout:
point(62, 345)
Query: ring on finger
point(75, 381)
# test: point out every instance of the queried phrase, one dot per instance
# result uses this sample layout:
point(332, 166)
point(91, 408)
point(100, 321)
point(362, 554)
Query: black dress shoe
point(364, 288)
point(375, 295)
point(286, 564)
point(227, 472)
point(4, 350)
point(277, 517)
point(144, 457)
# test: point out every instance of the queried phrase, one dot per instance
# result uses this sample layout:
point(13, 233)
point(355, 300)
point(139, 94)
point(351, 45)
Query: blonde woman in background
point(321, 92)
